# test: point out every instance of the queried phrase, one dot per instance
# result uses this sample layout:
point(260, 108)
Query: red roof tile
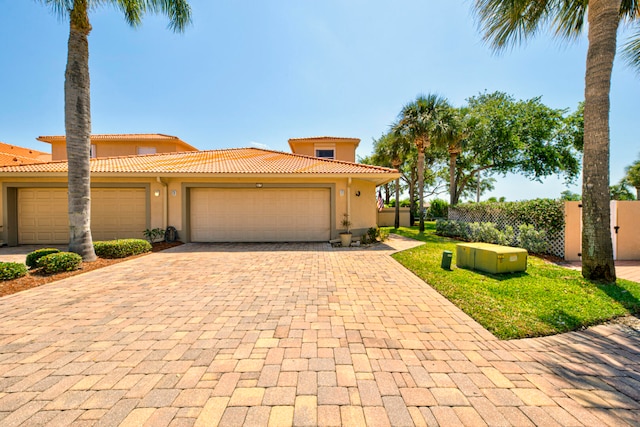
point(230, 161)
point(122, 137)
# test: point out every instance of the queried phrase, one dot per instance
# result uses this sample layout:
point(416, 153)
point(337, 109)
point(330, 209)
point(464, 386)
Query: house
point(326, 147)
point(14, 155)
point(232, 195)
point(111, 145)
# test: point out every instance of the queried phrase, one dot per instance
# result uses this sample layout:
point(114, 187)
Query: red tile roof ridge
point(113, 135)
point(323, 137)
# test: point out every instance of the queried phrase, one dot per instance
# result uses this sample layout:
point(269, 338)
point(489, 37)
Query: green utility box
point(491, 258)
point(446, 260)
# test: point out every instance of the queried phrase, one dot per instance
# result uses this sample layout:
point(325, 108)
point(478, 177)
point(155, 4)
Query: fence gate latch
point(617, 227)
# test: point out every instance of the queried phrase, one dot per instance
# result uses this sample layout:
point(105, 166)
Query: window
point(325, 153)
point(92, 151)
point(146, 150)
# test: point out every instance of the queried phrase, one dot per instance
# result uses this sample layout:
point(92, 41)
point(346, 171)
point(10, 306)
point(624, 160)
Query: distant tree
point(503, 135)
point(421, 122)
point(620, 192)
point(569, 196)
point(632, 176)
point(77, 108)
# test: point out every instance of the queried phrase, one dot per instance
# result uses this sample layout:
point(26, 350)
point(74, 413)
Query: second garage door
point(260, 215)
point(115, 213)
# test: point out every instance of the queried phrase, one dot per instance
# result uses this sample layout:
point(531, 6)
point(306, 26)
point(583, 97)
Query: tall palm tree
point(506, 22)
point(77, 99)
point(422, 121)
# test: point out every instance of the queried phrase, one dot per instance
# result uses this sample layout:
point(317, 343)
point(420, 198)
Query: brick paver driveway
point(291, 334)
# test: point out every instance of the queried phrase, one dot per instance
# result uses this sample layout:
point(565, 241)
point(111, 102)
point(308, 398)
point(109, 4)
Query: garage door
point(260, 215)
point(115, 213)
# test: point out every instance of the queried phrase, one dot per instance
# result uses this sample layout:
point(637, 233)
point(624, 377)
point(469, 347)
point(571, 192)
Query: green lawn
point(544, 300)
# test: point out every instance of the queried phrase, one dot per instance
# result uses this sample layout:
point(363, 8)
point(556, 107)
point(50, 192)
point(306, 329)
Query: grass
point(546, 299)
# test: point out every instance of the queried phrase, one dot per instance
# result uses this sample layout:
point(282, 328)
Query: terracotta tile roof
point(14, 155)
point(230, 161)
point(313, 138)
point(122, 137)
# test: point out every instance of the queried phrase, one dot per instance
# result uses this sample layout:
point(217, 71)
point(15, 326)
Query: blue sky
point(262, 71)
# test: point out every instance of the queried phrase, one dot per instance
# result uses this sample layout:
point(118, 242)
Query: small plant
point(59, 262)
point(532, 239)
point(121, 248)
point(384, 235)
point(153, 234)
point(33, 257)
point(12, 270)
point(346, 223)
point(373, 233)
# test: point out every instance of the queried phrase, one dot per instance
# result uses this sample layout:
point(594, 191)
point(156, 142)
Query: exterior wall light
point(173, 193)
point(258, 185)
point(156, 193)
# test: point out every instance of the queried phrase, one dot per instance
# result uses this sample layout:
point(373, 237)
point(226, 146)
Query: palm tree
point(422, 121)
point(77, 109)
point(632, 177)
point(507, 22)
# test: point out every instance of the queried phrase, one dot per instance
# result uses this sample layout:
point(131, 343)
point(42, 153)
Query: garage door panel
point(115, 213)
point(260, 215)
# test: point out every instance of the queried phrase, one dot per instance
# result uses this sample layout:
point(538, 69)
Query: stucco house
point(232, 195)
point(110, 145)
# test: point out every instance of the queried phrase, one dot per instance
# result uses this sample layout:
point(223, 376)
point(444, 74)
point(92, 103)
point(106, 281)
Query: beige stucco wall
point(387, 217)
point(169, 207)
point(114, 149)
point(344, 151)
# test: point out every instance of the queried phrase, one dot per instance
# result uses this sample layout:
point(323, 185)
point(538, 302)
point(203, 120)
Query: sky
point(258, 72)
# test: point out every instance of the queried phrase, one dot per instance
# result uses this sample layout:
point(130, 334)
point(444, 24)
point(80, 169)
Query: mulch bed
point(35, 278)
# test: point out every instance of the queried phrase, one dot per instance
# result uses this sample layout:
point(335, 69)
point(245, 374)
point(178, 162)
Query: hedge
point(34, 257)
point(12, 270)
point(121, 248)
point(59, 262)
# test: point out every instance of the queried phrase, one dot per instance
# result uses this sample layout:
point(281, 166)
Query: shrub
point(532, 239)
point(384, 235)
point(448, 228)
point(121, 248)
point(438, 209)
point(12, 270)
point(33, 257)
point(59, 262)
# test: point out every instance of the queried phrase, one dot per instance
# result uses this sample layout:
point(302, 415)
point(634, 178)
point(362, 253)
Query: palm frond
point(631, 50)
point(569, 17)
point(60, 8)
point(178, 11)
point(510, 22)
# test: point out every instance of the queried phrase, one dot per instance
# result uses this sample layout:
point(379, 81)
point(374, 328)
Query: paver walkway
point(291, 335)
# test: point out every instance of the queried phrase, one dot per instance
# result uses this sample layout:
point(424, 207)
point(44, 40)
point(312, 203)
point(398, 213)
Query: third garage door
point(260, 215)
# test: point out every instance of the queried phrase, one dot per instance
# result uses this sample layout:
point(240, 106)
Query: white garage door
point(260, 215)
point(115, 213)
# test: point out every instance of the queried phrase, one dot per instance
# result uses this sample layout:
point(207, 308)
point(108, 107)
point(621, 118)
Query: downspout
point(165, 203)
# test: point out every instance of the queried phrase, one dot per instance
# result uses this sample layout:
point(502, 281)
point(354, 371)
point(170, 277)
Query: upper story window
point(326, 153)
point(146, 150)
point(93, 152)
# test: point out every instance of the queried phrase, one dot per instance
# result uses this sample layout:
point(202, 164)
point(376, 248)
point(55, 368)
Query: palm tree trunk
point(396, 222)
point(452, 178)
point(78, 132)
point(421, 145)
point(597, 249)
point(412, 197)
